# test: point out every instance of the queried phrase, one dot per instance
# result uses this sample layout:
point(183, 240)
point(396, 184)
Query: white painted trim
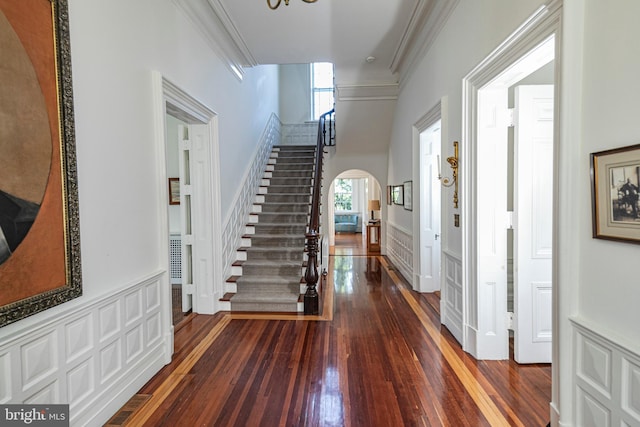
point(426, 22)
point(541, 25)
point(211, 19)
point(369, 92)
point(116, 341)
point(606, 375)
point(399, 249)
point(191, 111)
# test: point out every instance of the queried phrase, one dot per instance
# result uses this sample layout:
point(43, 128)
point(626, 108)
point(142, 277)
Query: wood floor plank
point(382, 360)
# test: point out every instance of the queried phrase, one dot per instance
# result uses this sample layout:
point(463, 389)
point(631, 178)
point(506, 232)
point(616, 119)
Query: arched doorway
point(355, 198)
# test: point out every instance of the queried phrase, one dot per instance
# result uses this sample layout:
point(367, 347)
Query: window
point(321, 88)
point(343, 194)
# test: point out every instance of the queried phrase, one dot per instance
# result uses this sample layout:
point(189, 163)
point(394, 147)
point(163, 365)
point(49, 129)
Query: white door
point(533, 215)
point(197, 219)
point(186, 224)
point(487, 319)
point(430, 210)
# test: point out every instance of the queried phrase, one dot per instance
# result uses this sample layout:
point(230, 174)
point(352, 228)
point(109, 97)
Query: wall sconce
point(453, 161)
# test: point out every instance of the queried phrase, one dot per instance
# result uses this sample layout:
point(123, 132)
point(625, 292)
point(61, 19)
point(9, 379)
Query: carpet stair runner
point(272, 264)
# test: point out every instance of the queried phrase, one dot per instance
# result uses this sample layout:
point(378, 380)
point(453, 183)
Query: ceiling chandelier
point(286, 3)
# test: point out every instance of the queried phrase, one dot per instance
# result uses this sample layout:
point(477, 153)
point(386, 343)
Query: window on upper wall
point(343, 194)
point(321, 88)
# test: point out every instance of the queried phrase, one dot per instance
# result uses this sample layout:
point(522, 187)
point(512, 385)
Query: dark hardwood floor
point(378, 356)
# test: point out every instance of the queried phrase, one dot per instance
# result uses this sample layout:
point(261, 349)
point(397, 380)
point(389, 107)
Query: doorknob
point(436, 236)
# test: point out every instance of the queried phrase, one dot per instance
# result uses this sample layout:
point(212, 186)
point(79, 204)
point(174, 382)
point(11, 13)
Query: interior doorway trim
point(171, 99)
point(544, 23)
point(431, 117)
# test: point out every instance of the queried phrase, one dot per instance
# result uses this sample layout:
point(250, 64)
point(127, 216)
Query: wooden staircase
point(268, 273)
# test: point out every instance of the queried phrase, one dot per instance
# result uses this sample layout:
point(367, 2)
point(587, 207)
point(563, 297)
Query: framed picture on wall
point(397, 195)
point(40, 230)
point(408, 201)
point(174, 191)
point(615, 183)
point(389, 195)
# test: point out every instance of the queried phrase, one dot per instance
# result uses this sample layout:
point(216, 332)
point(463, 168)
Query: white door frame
point(169, 98)
point(437, 112)
point(542, 25)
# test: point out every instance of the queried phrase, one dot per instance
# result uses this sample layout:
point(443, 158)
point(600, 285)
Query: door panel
point(186, 228)
point(430, 210)
point(488, 317)
point(533, 221)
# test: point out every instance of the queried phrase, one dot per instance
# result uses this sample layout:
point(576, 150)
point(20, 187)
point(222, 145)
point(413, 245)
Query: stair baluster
point(311, 298)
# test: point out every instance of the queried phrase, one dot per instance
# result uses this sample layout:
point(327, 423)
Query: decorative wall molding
point(235, 224)
point(400, 250)
point(213, 21)
point(607, 377)
point(427, 20)
point(368, 92)
point(95, 357)
point(451, 301)
point(300, 134)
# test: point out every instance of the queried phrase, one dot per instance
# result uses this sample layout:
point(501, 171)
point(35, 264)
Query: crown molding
point(213, 21)
point(367, 92)
point(427, 20)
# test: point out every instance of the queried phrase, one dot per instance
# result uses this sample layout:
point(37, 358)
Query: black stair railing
point(326, 137)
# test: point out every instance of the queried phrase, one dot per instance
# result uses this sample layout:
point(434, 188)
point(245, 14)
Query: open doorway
point(190, 193)
point(508, 183)
point(354, 212)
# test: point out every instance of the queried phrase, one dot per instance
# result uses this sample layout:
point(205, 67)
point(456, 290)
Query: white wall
point(610, 272)
point(295, 93)
point(115, 47)
point(114, 128)
point(472, 32)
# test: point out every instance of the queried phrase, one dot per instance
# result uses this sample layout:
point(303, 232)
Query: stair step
point(294, 166)
point(267, 228)
point(287, 198)
point(288, 189)
point(299, 181)
point(270, 278)
point(292, 173)
point(283, 218)
point(285, 207)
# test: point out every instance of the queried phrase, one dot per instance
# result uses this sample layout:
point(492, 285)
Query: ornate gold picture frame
point(40, 242)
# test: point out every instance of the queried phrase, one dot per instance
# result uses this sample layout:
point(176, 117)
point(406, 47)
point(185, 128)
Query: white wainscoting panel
point(300, 134)
point(607, 378)
point(451, 296)
point(400, 250)
point(93, 357)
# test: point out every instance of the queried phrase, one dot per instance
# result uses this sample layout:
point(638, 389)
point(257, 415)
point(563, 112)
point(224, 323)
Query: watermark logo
point(34, 415)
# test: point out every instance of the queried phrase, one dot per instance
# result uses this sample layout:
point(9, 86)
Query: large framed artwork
point(39, 225)
point(615, 179)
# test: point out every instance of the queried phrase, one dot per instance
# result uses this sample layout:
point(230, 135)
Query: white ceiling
point(344, 32)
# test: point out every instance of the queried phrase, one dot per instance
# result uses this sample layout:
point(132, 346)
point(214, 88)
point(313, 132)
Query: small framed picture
point(174, 191)
point(397, 195)
point(389, 194)
point(408, 201)
point(615, 182)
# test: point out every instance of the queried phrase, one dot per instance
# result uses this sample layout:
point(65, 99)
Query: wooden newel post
point(311, 275)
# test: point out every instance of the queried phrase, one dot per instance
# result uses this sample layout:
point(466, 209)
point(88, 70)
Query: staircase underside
point(271, 278)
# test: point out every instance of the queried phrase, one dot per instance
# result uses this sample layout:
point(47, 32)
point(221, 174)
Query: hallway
point(379, 359)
